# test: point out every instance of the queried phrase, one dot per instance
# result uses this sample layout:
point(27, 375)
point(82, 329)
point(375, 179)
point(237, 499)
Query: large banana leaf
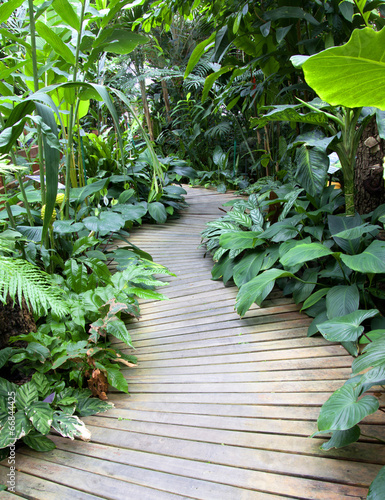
point(353, 74)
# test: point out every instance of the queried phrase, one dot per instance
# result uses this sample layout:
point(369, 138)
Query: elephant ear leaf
point(343, 410)
point(371, 260)
point(349, 75)
point(377, 488)
point(346, 328)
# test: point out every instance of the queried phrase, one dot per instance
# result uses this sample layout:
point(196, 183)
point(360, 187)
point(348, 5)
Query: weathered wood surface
point(220, 407)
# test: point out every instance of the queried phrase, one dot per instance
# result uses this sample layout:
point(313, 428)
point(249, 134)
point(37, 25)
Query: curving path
point(220, 408)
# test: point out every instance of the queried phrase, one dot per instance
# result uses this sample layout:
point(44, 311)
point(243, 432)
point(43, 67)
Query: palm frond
point(19, 278)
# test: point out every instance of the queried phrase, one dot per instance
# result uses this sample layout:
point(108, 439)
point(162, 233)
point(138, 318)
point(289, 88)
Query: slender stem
point(71, 116)
point(36, 88)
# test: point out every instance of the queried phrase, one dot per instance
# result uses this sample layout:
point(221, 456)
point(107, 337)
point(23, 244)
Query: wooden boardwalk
point(220, 407)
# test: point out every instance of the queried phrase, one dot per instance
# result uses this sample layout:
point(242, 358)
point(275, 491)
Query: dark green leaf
point(342, 300)
point(342, 438)
point(346, 328)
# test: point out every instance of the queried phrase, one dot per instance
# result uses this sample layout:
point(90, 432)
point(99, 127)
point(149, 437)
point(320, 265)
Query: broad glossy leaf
point(373, 355)
point(131, 212)
point(289, 113)
point(377, 487)
point(342, 300)
point(240, 240)
point(223, 269)
point(346, 328)
point(117, 328)
point(67, 226)
point(314, 298)
point(304, 253)
point(312, 169)
point(26, 395)
point(198, 52)
point(353, 74)
point(91, 406)
point(280, 231)
point(11, 432)
point(116, 378)
point(255, 290)
point(321, 317)
point(41, 415)
point(339, 223)
point(38, 442)
point(122, 41)
point(157, 212)
point(65, 10)
point(55, 42)
point(80, 194)
point(371, 260)
point(357, 232)
point(301, 290)
point(70, 426)
point(248, 267)
point(375, 376)
point(105, 223)
point(7, 8)
point(344, 410)
point(342, 438)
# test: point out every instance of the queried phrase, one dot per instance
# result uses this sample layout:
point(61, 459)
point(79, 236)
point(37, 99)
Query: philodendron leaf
point(373, 355)
point(371, 260)
point(340, 224)
point(304, 253)
point(342, 438)
point(377, 488)
point(107, 222)
point(257, 289)
point(346, 328)
point(157, 212)
point(312, 169)
point(375, 376)
point(357, 232)
point(353, 74)
point(344, 410)
point(342, 300)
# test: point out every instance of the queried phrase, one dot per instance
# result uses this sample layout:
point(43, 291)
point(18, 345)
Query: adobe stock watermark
point(11, 475)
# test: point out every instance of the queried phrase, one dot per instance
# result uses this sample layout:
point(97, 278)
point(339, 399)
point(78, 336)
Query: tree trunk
point(368, 175)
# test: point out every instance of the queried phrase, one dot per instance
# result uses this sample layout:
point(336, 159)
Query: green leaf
point(357, 232)
point(130, 212)
point(303, 253)
point(373, 355)
point(223, 269)
point(343, 410)
point(105, 223)
point(371, 260)
point(255, 290)
point(120, 41)
point(117, 328)
point(240, 240)
point(55, 42)
point(248, 267)
point(26, 395)
point(312, 169)
point(351, 75)
point(70, 426)
point(80, 194)
point(342, 438)
point(116, 378)
point(5, 354)
point(342, 300)
point(41, 415)
point(338, 224)
point(197, 54)
point(7, 8)
point(12, 431)
point(211, 79)
point(157, 212)
point(67, 226)
point(66, 12)
point(288, 113)
point(377, 487)
point(314, 298)
point(38, 442)
point(346, 328)
point(92, 406)
point(280, 231)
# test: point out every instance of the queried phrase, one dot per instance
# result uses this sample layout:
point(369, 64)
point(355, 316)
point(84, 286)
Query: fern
point(19, 278)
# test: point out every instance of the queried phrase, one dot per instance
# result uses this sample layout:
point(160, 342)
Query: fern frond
point(19, 278)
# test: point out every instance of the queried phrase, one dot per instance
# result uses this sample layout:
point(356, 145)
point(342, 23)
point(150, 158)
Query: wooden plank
point(296, 487)
point(34, 487)
point(88, 482)
point(353, 473)
point(131, 475)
